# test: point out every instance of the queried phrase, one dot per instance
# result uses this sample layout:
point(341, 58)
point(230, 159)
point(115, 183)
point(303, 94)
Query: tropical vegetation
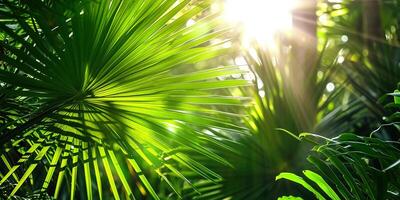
point(169, 99)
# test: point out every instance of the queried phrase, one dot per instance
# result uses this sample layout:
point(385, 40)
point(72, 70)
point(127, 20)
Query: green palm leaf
point(104, 81)
point(355, 166)
point(353, 163)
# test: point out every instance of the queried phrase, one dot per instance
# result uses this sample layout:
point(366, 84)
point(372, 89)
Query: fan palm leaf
point(103, 96)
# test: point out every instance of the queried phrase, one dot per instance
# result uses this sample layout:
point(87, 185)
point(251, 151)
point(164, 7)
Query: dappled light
point(200, 99)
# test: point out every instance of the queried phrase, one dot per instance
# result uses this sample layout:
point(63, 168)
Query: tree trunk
point(372, 28)
point(304, 58)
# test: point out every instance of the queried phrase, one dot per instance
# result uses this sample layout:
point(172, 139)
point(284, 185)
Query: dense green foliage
point(122, 99)
point(356, 167)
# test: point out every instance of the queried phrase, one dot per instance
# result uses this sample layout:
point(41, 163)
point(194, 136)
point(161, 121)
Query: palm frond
point(257, 158)
point(352, 167)
point(103, 97)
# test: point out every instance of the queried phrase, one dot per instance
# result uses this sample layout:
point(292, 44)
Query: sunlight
point(260, 20)
point(330, 87)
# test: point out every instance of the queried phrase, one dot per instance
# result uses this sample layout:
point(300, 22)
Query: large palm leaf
point(92, 92)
